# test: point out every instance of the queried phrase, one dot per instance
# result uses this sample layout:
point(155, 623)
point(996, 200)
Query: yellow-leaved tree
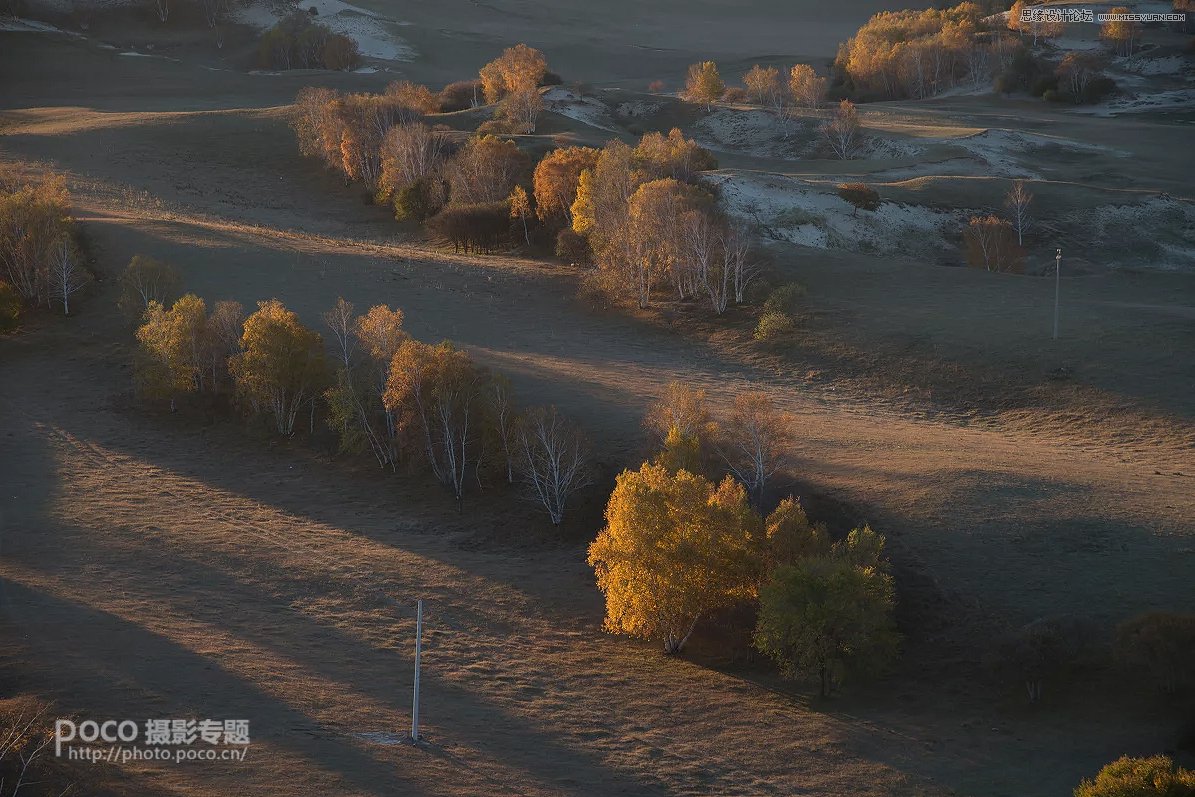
point(281, 365)
point(675, 548)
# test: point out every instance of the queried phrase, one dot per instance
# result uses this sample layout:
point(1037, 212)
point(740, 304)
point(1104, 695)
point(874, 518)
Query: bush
point(1097, 90)
point(417, 201)
point(341, 53)
point(774, 326)
point(1043, 84)
point(734, 94)
point(784, 299)
point(1158, 646)
point(1048, 649)
point(10, 308)
point(497, 127)
point(473, 228)
point(1140, 777)
point(573, 248)
point(1052, 95)
point(460, 95)
point(551, 79)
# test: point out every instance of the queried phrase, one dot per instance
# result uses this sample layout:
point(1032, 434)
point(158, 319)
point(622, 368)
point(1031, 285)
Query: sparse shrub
point(573, 248)
point(784, 298)
point(415, 96)
point(860, 196)
point(1140, 777)
point(1052, 95)
point(298, 43)
point(10, 308)
point(656, 86)
point(775, 326)
point(1097, 90)
point(499, 126)
point(1159, 647)
point(1042, 84)
point(551, 79)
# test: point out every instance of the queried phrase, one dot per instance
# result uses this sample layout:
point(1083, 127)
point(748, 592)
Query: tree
point(654, 236)
point(379, 334)
point(681, 408)
point(519, 68)
point(522, 108)
point(171, 354)
point(67, 276)
point(485, 170)
point(1159, 646)
point(520, 209)
point(223, 337)
point(755, 441)
point(843, 131)
point(557, 176)
point(33, 220)
point(280, 366)
point(414, 96)
point(1077, 71)
point(1157, 776)
point(675, 547)
point(763, 84)
point(555, 459)
point(790, 537)
point(146, 280)
point(505, 419)
point(860, 196)
point(1047, 649)
point(991, 246)
point(704, 84)
point(340, 321)
point(436, 393)
point(1017, 200)
point(673, 156)
point(411, 153)
point(805, 86)
point(820, 615)
point(1123, 33)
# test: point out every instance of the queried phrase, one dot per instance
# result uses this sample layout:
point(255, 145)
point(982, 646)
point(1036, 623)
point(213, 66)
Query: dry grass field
point(178, 565)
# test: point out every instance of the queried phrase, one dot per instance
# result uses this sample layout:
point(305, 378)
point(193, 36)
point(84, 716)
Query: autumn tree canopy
point(675, 547)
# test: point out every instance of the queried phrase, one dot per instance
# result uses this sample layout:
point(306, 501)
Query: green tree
point(281, 365)
point(1156, 776)
point(704, 84)
point(675, 548)
point(821, 615)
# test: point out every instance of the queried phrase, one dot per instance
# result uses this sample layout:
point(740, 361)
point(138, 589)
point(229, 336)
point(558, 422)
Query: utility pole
point(418, 655)
point(1057, 287)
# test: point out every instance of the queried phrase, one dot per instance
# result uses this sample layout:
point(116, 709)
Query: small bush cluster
point(298, 43)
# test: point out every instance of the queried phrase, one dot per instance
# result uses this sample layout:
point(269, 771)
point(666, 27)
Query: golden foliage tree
point(437, 395)
point(1122, 34)
point(805, 86)
point(281, 364)
point(755, 441)
point(519, 68)
point(992, 245)
point(704, 85)
point(520, 210)
point(485, 170)
point(762, 84)
point(1156, 776)
point(34, 221)
point(172, 355)
point(556, 180)
point(843, 131)
point(146, 280)
point(675, 548)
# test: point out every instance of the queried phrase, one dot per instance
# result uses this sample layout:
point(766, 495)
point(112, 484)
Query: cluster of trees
point(769, 87)
point(997, 244)
point(406, 402)
point(513, 79)
point(1078, 77)
point(1153, 649)
point(296, 42)
point(679, 545)
point(651, 226)
point(917, 54)
point(40, 259)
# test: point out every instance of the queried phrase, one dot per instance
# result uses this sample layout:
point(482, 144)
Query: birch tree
point(555, 459)
point(843, 131)
point(1017, 201)
point(67, 275)
point(755, 441)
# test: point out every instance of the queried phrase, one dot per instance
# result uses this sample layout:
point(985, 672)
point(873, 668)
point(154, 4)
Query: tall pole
point(418, 655)
point(1057, 287)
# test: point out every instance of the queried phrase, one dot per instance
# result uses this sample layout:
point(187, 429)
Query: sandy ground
point(153, 568)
